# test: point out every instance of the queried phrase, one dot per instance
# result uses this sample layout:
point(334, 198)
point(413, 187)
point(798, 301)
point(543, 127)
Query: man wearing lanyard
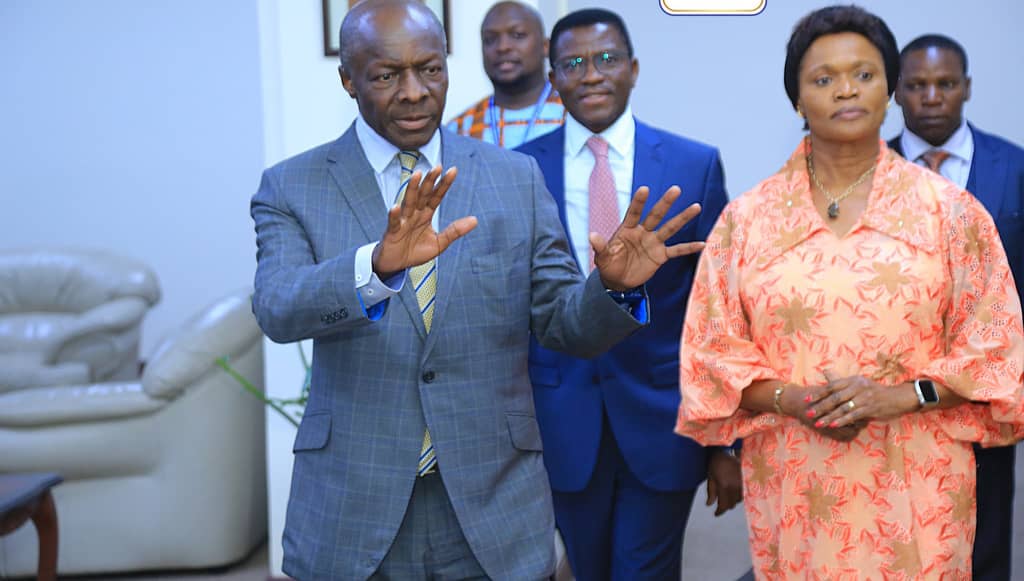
point(932, 90)
point(622, 482)
point(523, 105)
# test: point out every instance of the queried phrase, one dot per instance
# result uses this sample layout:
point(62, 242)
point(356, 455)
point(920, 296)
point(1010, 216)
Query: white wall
point(135, 127)
point(719, 78)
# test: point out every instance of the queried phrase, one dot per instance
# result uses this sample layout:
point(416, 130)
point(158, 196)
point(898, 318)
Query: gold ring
point(850, 404)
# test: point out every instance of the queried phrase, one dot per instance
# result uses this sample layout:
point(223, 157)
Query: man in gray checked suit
point(419, 455)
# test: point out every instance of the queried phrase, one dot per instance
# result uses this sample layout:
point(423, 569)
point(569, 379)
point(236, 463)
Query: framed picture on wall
point(334, 12)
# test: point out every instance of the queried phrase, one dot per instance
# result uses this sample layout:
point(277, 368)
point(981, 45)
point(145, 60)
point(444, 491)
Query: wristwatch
point(926, 394)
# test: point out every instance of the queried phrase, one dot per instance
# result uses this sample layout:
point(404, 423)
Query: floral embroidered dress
point(918, 288)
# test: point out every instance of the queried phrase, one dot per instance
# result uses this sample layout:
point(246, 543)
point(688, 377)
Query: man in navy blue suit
point(623, 483)
point(932, 90)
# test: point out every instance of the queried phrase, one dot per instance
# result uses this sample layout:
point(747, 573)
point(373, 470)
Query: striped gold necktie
point(424, 281)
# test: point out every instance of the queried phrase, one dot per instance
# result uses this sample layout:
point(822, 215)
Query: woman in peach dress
point(854, 320)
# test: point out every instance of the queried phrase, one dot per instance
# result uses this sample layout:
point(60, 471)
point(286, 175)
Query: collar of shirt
point(901, 205)
point(619, 135)
point(380, 152)
point(382, 156)
point(960, 145)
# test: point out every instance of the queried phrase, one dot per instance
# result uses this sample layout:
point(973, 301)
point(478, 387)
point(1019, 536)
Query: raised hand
point(636, 250)
point(409, 239)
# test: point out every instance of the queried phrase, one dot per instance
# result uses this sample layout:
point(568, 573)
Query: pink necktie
point(604, 202)
point(933, 158)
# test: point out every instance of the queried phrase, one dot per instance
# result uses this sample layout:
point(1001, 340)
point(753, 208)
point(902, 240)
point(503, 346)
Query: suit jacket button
point(428, 377)
point(595, 378)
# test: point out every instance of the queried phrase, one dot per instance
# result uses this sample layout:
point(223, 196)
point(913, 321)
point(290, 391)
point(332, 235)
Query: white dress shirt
point(383, 158)
point(960, 145)
point(579, 163)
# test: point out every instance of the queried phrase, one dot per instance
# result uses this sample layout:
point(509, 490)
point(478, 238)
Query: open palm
point(637, 248)
point(410, 239)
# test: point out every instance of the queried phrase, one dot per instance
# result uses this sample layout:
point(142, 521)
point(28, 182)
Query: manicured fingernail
point(819, 423)
point(810, 413)
point(834, 425)
point(807, 399)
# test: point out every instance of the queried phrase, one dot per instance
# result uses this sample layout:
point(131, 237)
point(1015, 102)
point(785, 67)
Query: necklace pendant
point(833, 210)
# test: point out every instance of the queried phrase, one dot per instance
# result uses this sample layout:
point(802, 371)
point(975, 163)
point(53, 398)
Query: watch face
point(928, 391)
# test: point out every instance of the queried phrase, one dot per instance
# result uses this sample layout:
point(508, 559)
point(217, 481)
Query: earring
point(799, 112)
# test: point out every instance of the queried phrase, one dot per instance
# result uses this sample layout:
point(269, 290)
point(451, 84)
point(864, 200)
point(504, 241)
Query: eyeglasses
point(605, 62)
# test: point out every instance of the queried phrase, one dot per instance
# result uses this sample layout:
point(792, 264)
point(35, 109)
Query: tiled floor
point(715, 549)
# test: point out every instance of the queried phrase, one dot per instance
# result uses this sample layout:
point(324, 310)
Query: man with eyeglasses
point(524, 105)
point(623, 482)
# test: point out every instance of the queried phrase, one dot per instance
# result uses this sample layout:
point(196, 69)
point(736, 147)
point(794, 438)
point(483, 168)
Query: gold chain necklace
point(833, 201)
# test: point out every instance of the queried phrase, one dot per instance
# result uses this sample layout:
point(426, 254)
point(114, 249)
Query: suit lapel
point(551, 160)
point(647, 162)
point(358, 186)
point(896, 145)
point(988, 173)
point(357, 183)
point(458, 202)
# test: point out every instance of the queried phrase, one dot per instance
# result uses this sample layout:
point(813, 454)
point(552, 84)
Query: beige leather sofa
point(70, 316)
point(162, 472)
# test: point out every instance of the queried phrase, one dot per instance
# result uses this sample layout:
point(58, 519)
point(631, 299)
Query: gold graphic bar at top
point(732, 7)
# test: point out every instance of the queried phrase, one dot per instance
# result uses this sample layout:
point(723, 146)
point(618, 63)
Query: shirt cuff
point(373, 292)
point(633, 301)
point(733, 449)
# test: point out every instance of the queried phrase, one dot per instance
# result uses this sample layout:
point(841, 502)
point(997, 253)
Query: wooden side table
point(25, 496)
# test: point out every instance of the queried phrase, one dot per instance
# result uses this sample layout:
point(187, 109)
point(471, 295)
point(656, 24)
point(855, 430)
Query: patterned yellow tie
point(424, 280)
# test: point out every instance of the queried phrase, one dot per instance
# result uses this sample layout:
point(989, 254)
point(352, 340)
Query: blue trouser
point(994, 536)
point(617, 528)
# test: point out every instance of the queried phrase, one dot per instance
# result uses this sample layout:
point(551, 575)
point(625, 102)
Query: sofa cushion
point(75, 403)
point(25, 370)
point(32, 331)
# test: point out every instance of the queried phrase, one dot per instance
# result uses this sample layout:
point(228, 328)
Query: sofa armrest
point(68, 404)
point(224, 329)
